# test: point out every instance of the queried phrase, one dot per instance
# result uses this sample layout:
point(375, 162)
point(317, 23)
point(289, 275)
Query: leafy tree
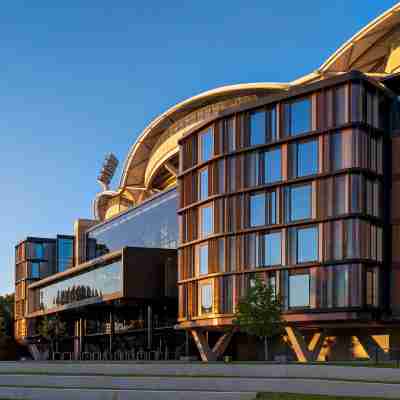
point(52, 329)
point(6, 315)
point(259, 312)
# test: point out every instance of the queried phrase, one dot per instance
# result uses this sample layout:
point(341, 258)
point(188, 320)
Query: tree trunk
point(266, 355)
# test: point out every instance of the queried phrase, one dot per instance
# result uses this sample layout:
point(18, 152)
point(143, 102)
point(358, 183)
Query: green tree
point(6, 315)
point(259, 312)
point(52, 329)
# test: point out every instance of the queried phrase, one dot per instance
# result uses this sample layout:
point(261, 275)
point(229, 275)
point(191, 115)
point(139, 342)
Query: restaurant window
point(273, 165)
point(257, 209)
point(257, 128)
point(299, 290)
point(298, 202)
point(272, 249)
point(206, 145)
point(298, 117)
point(203, 182)
point(207, 222)
point(307, 244)
point(206, 298)
point(203, 259)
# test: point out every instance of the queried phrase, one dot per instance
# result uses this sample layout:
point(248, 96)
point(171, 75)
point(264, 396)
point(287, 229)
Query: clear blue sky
point(82, 78)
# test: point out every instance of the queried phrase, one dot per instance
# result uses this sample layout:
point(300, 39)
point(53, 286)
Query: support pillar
point(298, 344)
point(206, 353)
point(112, 332)
point(149, 327)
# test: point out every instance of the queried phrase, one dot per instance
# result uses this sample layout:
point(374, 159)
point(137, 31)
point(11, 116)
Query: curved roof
point(134, 166)
point(370, 49)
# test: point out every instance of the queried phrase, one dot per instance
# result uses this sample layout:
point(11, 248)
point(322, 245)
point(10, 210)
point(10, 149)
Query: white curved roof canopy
point(371, 49)
point(135, 163)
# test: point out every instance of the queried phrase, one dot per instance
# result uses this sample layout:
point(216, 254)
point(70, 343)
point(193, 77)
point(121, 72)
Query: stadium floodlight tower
point(107, 171)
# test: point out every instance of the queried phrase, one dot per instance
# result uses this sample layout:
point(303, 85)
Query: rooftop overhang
point(374, 49)
point(134, 168)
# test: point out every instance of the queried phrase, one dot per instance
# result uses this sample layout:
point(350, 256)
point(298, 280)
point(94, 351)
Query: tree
point(6, 315)
point(259, 312)
point(52, 329)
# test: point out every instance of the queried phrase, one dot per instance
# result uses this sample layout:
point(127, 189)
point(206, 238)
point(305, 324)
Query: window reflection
point(257, 128)
point(299, 290)
point(307, 158)
point(273, 166)
point(101, 281)
point(299, 202)
point(298, 117)
point(203, 259)
point(206, 145)
point(206, 216)
point(257, 209)
point(307, 244)
point(151, 224)
point(203, 181)
point(273, 248)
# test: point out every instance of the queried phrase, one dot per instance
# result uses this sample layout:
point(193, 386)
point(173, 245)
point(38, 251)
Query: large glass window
point(35, 270)
point(257, 128)
point(298, 117)
point(307, 244)
point(336, 151)
point(96, 283)
point(273, 165)
point(203, 259)
point(299, 290)
point(152, 224)
point(300, 202)
point(206, 298)
point(203, 181)
point(257, 209)
point(65, 253)
point(273, 248)
point(307, 158)
point(206, 145)
point(229, 129)
point(207, 223)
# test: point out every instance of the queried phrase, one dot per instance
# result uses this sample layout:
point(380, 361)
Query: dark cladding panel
point(153, 224)
point(150, 273)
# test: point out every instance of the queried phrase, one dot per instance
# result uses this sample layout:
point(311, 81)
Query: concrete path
point(178, 381)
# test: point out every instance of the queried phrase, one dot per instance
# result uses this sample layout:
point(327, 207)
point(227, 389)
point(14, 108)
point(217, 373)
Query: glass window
point(336, 151)
point(96, 283)
point(271, 125)
point(203, 184)
point(273, 248)
point(273, 166)
point(230, 138)
point(307, 158)
point(203, 259)
point(206, 298)
point(307, 244)
point(339, 195)
point(299, 290)
point(257, 209)
point(372, 287)
point(298, 117)
point(300, 202)
point(65, 253)
point(206, 145)
point(341, 275)
point(35, 270)
point(151, 224)
point(340, 105)
point(39, 250)
point(257, 128)
point(207, 223)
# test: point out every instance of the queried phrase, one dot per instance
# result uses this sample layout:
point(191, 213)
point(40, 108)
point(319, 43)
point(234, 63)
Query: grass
point(291, 396)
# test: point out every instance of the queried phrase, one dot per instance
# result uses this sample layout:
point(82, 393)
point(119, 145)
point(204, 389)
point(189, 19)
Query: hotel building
point(294, 182)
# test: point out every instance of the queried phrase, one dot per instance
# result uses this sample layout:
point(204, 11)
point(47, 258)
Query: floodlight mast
point(107, 171)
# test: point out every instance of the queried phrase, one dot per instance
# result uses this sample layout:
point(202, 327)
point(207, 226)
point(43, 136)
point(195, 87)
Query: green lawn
point(287, 396)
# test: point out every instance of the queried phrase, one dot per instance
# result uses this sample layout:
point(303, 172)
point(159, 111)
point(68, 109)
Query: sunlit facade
point(294, 182)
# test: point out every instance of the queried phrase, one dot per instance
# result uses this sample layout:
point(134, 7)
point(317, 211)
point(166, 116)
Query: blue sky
point(83, 78)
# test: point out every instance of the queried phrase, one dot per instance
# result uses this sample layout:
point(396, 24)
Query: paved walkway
point(178, 381)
